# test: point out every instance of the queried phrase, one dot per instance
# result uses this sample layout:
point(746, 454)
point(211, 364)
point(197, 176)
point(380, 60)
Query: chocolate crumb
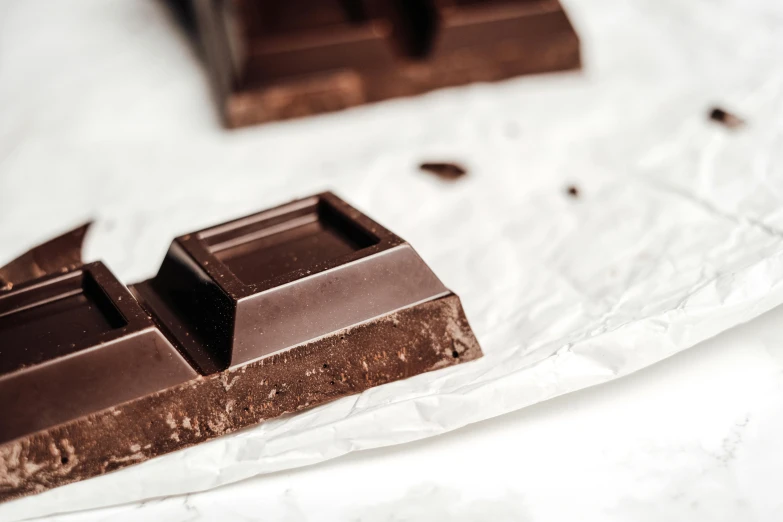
point(447, 171)
point(726, 118)
point(573, 191)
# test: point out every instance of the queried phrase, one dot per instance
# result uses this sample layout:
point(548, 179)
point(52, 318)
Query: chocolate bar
point(270, 314)
point(273, 60)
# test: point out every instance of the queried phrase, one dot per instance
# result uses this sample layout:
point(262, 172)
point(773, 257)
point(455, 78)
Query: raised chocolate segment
point(246, 289)
point(76, 343)
point(268, 314)
point(302, 37)
point(51, 317)
point(275, 60)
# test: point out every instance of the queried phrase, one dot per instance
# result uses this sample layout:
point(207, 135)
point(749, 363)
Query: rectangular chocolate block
point(277, 60)
point(265, 315)
point(75, 343)
point(306, 269)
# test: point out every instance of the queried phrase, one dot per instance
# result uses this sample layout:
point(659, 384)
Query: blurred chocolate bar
point(274, 60)
point(270, 314)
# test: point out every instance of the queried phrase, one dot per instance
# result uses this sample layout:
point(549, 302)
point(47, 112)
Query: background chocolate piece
point(447, 171)
point(76, 343)
point(265, 315)
point(56, 255)
point(300, 37)
point(276, 60)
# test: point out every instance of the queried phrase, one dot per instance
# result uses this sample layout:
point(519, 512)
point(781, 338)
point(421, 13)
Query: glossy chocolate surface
point(249, 288)
point(73, 344)
point(245, 321)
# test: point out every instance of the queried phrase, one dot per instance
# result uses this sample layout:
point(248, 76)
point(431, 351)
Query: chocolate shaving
point(447, 171)
point(726, 118)
point(56, 255)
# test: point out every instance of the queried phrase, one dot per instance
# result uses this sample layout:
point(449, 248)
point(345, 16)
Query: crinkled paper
point(675, 236)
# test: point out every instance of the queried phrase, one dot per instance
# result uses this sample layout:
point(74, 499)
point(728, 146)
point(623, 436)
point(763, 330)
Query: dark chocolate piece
point(75, 343)
point(277, 60)
point(60, 254)
point(308, 268)
point(447, 171)
point(266, 315)
point(726, 118)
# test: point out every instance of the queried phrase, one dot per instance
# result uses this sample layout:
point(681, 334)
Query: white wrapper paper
point(677, 233)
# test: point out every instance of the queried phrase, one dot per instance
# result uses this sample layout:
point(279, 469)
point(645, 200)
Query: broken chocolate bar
point(265, 315)
point(273, 60)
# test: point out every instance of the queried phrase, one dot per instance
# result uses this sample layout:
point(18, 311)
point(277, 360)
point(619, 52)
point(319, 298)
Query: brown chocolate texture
point(266, 315)
point(278, 60)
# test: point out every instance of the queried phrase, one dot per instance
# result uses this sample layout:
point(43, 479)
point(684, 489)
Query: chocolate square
point(73, 344)
point(261, 284)
point(278, 60)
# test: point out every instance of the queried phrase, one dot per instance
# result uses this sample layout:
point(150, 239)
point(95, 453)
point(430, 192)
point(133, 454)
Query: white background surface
point(106, 111)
